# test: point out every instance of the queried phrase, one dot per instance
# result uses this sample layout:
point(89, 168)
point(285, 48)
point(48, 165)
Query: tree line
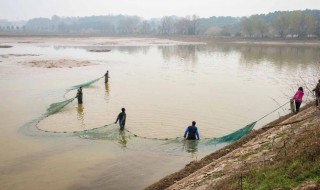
point(279, 24)
point(294, 24)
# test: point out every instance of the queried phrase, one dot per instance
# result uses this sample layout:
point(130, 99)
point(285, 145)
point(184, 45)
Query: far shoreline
point(307, 42)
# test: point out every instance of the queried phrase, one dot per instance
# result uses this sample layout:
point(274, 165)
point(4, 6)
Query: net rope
point(101, 132)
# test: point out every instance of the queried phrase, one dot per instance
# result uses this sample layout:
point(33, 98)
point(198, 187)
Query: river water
point(164, 88)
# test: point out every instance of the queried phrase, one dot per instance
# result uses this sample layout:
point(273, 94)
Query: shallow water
point(163, 88)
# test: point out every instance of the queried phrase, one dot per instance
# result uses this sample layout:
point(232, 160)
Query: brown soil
point(60, 63)
point(197, 171)
point(17, 55)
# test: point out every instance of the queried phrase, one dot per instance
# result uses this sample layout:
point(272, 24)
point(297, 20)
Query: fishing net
point(85, 84)
point(107, 132)
point(111, 132)
point(233, 136)
point(55, 107)
point(127, 139)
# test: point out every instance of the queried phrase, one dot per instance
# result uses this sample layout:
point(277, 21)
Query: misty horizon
point(153, 18)
point(19, 10)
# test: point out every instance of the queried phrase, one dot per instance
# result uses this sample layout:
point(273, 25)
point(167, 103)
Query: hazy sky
point(26, 9)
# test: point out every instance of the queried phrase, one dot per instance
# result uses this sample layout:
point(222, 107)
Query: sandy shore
point(96, 45)
point(93, 41)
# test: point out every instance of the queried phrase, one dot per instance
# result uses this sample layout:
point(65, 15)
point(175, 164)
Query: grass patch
point(265, 146)
point(299, 164)
point(282, 175)
point(245, 155)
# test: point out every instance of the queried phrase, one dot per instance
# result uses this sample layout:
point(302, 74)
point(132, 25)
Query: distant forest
point(279, 24)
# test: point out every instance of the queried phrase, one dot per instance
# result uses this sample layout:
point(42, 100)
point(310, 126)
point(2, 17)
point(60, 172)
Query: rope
point(272, 111)
point(154, 138)
point(71, 131)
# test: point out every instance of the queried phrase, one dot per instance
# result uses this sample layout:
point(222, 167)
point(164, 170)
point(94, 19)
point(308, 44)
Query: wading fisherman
point(317, 92)
point(298, 98)
point(192, 132)
point(122, 118)
point(79, 95)
point(106, 77)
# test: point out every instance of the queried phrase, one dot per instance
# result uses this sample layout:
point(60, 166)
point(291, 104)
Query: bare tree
point(309, 24)
point(295, 23)
point(166, 25)
point(281, 25)
point(247, 27)
point(261, 27)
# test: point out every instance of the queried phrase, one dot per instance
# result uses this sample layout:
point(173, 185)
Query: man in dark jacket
point(79, 95)
point(122, 118)
point(106, 77)
point(192, 132)
point(317, 93)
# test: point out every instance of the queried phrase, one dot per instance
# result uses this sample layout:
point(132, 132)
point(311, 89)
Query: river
point(164, 87)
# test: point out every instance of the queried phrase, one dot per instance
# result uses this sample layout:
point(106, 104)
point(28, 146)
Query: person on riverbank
point(106, 77)
point(122, 118)
point(316, 90)
point(191, 132)
point(79, 95)
point(298, 98)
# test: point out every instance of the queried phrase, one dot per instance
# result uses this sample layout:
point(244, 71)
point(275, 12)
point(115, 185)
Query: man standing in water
point(317, 92)
point(106, 77)
point(79, 95)
point(192, 132)
point(122, 119)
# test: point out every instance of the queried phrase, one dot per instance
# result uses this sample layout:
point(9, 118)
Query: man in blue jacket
point(192, 132)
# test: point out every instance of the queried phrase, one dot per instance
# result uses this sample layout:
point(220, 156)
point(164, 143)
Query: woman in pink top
point(298, 98)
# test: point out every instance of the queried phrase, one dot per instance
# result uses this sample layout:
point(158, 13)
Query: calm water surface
point(163, 88)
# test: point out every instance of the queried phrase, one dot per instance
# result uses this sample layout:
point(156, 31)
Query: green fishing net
point(55, 107)
point(85, 84)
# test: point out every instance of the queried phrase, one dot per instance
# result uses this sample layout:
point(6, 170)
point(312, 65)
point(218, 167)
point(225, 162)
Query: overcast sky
point(26, 9)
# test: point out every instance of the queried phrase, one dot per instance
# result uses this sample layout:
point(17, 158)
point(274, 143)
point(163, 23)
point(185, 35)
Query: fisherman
point(106, 77)
point(122, 118)
point(192, 132)
point(79, 95)
point(298, 98)
point(316, 90)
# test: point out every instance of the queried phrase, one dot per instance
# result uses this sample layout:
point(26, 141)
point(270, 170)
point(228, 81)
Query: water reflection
point(188, 53)
point(275, 54)
point(278, 55)
point(190, 146)
point(106, 95)
point(249, 53)
point(80, 115)
point(132, 49)
point(122, 139)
